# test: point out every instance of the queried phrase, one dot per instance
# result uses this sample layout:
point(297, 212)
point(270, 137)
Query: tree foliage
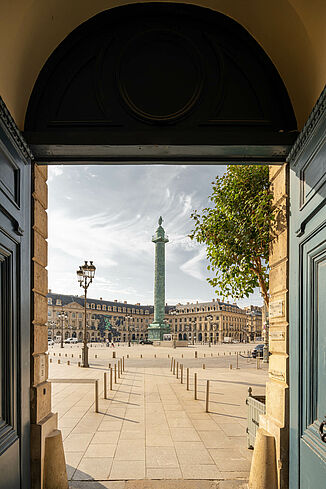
point(236, 231)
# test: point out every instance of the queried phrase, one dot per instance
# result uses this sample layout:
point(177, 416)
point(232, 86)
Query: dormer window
point(58, 302)
point(92, 306)
point(49, 301)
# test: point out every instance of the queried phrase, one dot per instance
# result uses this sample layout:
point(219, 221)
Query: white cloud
point(195, 266)
point(54, 171)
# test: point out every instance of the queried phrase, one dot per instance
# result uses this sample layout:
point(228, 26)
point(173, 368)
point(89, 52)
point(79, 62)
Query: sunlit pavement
point(151, 427)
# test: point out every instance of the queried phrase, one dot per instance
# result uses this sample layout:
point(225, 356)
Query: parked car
point(145, 342)
point(50, 342)
point(71, 340)
point(258, 351)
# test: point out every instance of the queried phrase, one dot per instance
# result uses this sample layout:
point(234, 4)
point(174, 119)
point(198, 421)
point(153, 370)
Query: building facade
point(200, 322)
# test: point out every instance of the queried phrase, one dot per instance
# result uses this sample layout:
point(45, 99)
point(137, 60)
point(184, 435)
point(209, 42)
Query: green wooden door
point(15, 284)
point(308, 303)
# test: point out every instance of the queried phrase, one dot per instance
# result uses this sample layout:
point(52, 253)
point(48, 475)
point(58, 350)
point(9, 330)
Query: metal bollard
point(123, 364)
point(104, 383)
point(155, 355)
point(177, 370)
point(181, 374)
point(141, 356)
point(196, 354)
point(204, 355)
point(113, 354)
point(182, 355)
point(118, 369)
point(78, 364)
point(111, 378)
point(230, 366)
point(59, 354)
point(173, 367)
point(127, 356)
point(95, 356)
point(66, 354)
point(96, 396)
point(115, 373)
point(207, 396)
point(72, 355)
point(195, 386)
point(237, 361)
point(204, 366)
point(187, 379)
point(50, 360)
point(68, 363)
point(58, 360)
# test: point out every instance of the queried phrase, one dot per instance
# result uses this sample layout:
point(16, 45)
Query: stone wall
point(276, 421)
point(43, 421)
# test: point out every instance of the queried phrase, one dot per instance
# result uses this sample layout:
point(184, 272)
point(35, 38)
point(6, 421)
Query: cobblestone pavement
point(150, 426)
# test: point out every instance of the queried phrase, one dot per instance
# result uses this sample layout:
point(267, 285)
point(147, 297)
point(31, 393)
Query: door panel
point(308, 304)
point(15, 202)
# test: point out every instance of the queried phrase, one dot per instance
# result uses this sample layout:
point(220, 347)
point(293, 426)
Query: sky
point(108, 214)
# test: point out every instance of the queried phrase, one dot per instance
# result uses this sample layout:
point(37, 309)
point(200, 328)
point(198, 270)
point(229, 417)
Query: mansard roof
point(67, 299)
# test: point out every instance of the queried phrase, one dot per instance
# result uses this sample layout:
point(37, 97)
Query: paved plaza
point(150, 426)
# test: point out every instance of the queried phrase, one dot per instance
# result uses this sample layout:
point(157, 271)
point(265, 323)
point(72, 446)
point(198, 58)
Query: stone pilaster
point(43, 421)
point(276, 420)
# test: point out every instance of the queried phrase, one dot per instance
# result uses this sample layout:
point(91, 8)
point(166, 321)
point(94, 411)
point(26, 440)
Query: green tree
point(236, 230)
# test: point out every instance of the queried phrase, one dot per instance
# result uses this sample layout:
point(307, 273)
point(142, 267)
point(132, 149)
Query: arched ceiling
point(290, 31)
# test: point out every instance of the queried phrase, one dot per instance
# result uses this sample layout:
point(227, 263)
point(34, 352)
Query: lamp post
point(128, 317)
point(193, 335)
point(174, 313)
point(266, 336)
point(85, 276)
point(209, 318)
point(51, 325)
point(62, 316)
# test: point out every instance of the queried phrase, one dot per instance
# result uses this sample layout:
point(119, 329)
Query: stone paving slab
point(151, 428)
point(159, 484)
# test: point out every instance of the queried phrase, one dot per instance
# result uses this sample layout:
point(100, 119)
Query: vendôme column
point(157, 329)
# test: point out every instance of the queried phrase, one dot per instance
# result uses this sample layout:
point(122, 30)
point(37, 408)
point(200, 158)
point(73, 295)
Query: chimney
point(213, 300)
point(196, 302)
point(50, 291)
point(125, 302)
point(138, 304)
point(115, 300)
point(188, 303)
point(101, 299)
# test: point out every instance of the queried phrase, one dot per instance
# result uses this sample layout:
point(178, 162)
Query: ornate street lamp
point(128, 317)
point(209, 318)
point(62, 316)
point(85, 276)
point(173, 330)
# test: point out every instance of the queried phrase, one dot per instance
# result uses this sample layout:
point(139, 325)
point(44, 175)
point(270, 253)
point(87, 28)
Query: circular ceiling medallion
point(160, 77)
